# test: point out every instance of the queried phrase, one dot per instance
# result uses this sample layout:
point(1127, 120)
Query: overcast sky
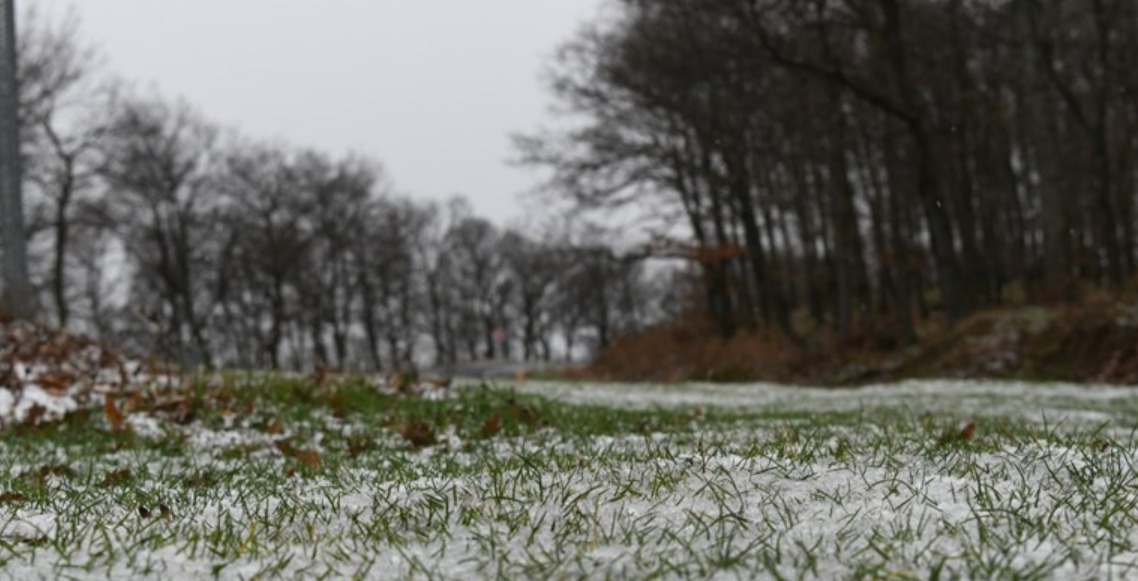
point(432, 88)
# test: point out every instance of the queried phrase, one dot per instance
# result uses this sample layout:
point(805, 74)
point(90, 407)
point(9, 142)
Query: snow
point(706, 497)
point(55, 407)
point(985, 398)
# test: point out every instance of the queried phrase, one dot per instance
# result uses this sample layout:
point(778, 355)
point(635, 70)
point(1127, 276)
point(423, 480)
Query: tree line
point(150, 225)
point(868, 163)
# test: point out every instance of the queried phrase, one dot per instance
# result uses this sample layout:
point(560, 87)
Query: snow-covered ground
point(883, 482)
point(1037, 401)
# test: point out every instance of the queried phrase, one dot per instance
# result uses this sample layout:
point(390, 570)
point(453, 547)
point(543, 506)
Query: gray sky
point(432, 88)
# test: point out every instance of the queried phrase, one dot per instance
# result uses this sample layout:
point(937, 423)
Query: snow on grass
point(673, 482)
point(1087, 403)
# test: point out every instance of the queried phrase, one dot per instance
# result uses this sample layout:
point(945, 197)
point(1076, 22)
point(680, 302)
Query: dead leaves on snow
point(72, 366)
point(40, 476)
point(508, 416)
point(172, 407)
point(63, 365)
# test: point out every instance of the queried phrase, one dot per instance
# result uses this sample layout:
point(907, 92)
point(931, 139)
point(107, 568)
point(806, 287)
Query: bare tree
point(160, 162)
point(65, 110)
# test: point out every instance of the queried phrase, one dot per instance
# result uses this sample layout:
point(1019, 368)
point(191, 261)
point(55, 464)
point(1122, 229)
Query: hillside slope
point(1086, 343)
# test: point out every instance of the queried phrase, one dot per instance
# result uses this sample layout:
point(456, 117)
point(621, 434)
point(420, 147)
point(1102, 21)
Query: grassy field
point(254, 478)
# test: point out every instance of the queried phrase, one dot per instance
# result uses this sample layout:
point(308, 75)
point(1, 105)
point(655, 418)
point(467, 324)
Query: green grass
point(277, 477)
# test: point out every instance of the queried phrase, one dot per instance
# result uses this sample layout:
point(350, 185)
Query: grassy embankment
point(1096, 341)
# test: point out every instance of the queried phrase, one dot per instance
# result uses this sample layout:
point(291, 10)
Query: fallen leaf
point(62, 470)
point(491, 426)
point(437, 383)
point(319, 376)
point(967, 432)
point(114, 416)
point(34, 415)
point(954, 437)
point(143, 511)
point(339, 409)
point(164, 511)
point(12, 497)
point(124, 377)
point(133, 402)
point(524, 414)
point(168, 403)
point(309, 458)
point(285, 448)
point(200, 480)
point(420, 435)
point(185, 412)
point(359, 445)
point(55, 383)
point(117, 478)
point(397, 383)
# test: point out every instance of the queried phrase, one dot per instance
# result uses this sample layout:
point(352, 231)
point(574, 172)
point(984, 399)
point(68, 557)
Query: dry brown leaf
point(359, 445)
point(339, 409)
point(44, 472)
point(491, 426)
point(524, 414)
point(967, 433)
point(35, 414)
point(143, 511)
point(200, 480)
point(953, 437)
point(114, 416)
point(439, 384)
point(319, 376)
point(134, 401)
point(399, 384)
point(420, 435)
point(8, 497)
point(285, 447)
point(124, 377)
point(55, 384)
point(310, 458)
point(164, 511)
point(184, 414)
point(116, 478)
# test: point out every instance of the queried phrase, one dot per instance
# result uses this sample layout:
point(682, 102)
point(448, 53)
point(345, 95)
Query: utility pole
point(15, 299)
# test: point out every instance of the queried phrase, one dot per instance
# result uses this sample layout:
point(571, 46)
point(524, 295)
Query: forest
point(868, 164)
point(152, 227)
point(811, 168)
